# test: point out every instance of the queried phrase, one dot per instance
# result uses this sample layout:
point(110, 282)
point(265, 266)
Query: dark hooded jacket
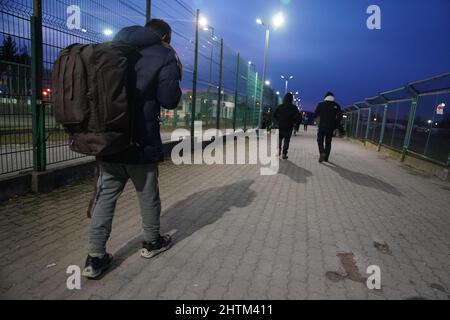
point(287, 114)
point(157, 85)
point(328, 114)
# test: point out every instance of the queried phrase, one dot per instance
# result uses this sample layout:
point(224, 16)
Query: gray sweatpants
point(111, 183)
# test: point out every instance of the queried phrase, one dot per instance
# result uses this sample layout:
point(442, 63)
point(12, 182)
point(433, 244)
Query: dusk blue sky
point(326, 45)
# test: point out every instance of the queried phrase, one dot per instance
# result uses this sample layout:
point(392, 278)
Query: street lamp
point(108, 32)
point(267, 83)
point(286, 80)
point(277, 22)
point(203, 22)
point(251, 64)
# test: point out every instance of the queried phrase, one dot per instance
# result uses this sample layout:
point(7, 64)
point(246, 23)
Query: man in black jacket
point(287, 116)
point(158, 73)
point(329, 116)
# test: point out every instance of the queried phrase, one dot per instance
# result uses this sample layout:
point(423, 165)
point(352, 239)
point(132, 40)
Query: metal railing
point(414, 119)
point(219, 86)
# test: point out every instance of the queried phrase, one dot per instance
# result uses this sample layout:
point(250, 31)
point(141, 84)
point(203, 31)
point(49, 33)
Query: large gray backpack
point(93, 86)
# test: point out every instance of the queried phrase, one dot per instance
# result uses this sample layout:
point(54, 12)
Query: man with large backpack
point(121, 125)
point(329, 115)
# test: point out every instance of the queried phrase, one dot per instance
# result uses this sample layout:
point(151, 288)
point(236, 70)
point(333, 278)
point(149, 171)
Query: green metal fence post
point(354, 123)
point(256, 96)
point(236, 93)
point(148, 10)
point(369, 120)
point(37, 107)
point(219, 100)
point(345, 123)
point(348, 124)
point(412, 117)
point(194, 79)
point(357, 122)
point(427, 144)
point(383, 127)
point(247, 90)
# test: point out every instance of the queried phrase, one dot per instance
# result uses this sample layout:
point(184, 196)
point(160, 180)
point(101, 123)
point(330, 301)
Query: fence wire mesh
point(416, 120)
point(228, 92)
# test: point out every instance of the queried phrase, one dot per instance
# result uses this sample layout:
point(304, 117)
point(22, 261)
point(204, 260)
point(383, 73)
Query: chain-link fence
point(413, 120)
point(219, 87)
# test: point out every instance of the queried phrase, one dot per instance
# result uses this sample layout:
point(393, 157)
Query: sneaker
point(95, 267)
point(152, 249)
point(285, 157)
point(322, 157)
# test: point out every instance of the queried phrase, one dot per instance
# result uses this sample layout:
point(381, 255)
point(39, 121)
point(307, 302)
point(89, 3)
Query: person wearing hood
point(158, 74)
point(287, 116)
point(328, 115)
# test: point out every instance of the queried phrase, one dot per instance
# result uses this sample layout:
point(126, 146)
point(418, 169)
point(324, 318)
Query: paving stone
point(244, 236)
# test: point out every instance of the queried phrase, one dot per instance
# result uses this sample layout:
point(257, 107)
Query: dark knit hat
point(288, 99)
point(329, 93)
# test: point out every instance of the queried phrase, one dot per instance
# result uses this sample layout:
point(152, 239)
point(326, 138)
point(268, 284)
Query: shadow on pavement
point(192, 214)
point(294, 172)
point(364, 179)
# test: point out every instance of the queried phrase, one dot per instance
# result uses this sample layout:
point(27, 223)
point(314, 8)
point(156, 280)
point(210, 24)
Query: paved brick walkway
point(244, 236)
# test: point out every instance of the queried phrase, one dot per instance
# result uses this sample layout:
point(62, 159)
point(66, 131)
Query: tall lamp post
point(206, 27)
point(286, 82)
point(203, 22)
point(278, 21)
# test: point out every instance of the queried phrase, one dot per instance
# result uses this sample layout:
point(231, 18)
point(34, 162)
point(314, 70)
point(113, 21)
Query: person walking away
point(305, 122)
point(328, 115)
point(266, 119)
point(158, 74)
point(297, 125)
point(287, 116)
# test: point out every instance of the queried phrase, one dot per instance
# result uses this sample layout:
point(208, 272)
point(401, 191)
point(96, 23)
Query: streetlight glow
point(278, 20)
point(267, 83)
point(203, 22)
point(286, 81)
point(108, 32)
